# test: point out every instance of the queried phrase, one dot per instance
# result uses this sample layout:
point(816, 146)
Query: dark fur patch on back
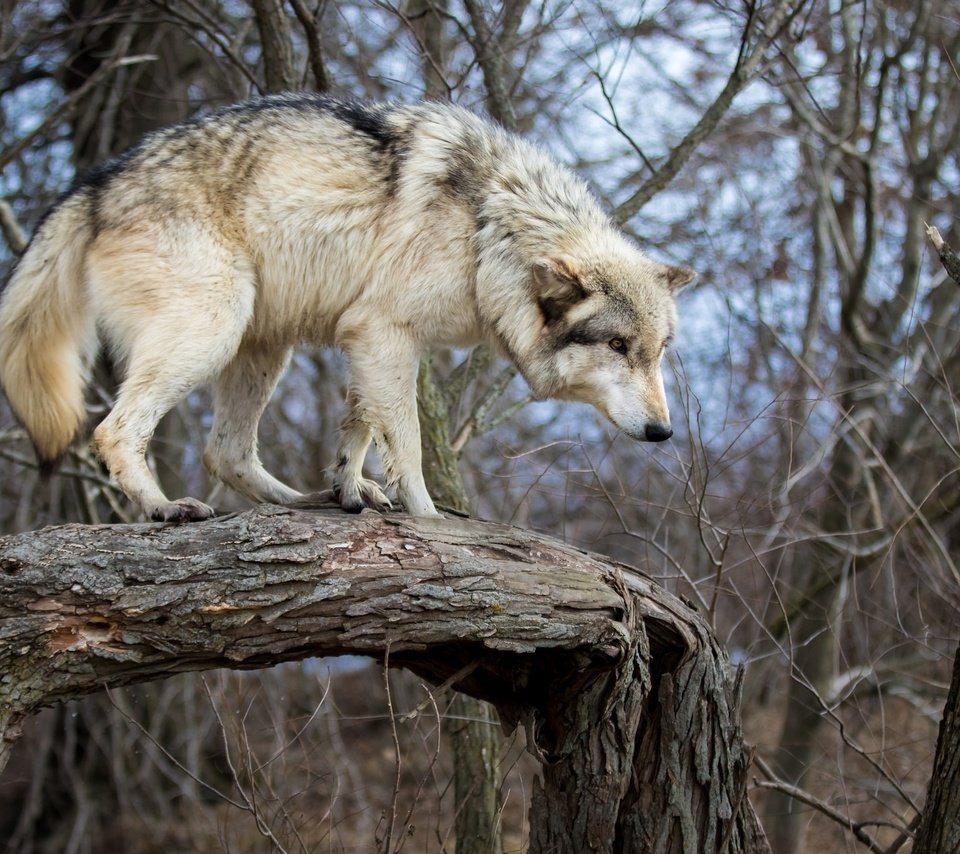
point(371, 121)
point(463, 179)
point(100, 176)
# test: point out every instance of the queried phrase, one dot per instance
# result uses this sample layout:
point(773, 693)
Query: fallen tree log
point(624, 693)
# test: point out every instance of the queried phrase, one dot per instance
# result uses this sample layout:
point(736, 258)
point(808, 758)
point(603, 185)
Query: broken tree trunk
point(624, 693)
point(939, 831)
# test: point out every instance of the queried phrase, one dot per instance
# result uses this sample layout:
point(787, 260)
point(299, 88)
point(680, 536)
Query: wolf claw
point(182, 510)
point(354, 496)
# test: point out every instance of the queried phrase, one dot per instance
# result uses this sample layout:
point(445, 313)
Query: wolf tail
point(48, 333)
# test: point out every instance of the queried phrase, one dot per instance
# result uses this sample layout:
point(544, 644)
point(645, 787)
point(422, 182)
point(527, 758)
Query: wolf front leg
point(383, 406)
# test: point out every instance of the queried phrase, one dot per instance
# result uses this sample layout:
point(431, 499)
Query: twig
point(79, 474)
point(69, 105)
point(249, 803)
point(802, 795)
point(298, 733)
point(748, 66)
point(430, 765)
point(12, 232)
point(386, 845)
point(908, 833)
point(464, 671)
point(206, 25)
point(476, 420)
point(168, 755)
point(614, 120)
point(425, 52)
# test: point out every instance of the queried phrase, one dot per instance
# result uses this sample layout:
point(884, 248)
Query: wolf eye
point(618, 345)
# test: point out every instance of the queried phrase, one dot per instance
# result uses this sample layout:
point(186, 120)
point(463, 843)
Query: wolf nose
point(657, 433)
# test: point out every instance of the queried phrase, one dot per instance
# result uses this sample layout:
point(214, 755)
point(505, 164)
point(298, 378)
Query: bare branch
point(805, 797)
point(69, 105)
point(12, 232)
point(278, 69)
point(311, 30)
point(949, 258)
point(749, 65)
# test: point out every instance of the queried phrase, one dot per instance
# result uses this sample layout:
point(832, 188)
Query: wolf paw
point(363, 492)
point(182, 510)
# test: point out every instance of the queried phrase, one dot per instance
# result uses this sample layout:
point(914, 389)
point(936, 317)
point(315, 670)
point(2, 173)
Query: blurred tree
point(884, 468)
point(939, 830)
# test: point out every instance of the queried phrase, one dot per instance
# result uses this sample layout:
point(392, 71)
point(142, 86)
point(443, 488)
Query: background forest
point(789, 150)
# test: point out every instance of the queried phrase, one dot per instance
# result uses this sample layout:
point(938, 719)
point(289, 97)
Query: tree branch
point(949, 258)
point(69, 105)
point(311, 31)
point(490, 57)
point(10, 226)
point(604, 669)
point(278, 65)
point(749, 65)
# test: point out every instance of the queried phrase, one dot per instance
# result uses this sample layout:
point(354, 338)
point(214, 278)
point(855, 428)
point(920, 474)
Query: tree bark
point(475, 738)
point(279, 70)
point(939, 831)
point(624, 693)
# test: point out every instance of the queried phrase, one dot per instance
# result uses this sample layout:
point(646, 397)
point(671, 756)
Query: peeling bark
point(939, 831)
point(624, 693)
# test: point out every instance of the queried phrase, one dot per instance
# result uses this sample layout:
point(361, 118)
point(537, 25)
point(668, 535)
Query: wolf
point(209, 250)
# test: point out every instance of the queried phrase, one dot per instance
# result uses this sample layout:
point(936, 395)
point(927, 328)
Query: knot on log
point(10, 566)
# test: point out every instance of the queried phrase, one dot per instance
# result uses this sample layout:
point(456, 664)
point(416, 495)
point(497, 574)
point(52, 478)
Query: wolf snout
point(657, 432)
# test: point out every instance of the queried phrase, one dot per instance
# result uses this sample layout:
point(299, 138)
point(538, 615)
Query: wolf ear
point(678, 277)
point(557, 286)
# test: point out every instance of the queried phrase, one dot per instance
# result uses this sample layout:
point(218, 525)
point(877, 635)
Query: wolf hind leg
point(121, 439)
point(175, 320)
point(240, 395)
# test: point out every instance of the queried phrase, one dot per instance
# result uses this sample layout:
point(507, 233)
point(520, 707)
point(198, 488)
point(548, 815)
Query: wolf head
point(606, 322)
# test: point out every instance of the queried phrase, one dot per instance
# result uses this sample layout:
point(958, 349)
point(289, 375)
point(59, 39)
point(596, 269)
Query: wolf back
point(212, 248)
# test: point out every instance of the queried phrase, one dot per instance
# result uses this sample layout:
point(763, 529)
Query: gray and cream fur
point(211, 249)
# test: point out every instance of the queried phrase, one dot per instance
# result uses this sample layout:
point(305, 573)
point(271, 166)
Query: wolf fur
point(212, 248)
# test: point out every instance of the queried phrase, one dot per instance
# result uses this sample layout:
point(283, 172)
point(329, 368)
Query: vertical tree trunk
point(476, 742)
point(656, 753)
point(475, 733)
point(814, 639)
point(275, 42)
point(427, 17)
point(939, 831)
